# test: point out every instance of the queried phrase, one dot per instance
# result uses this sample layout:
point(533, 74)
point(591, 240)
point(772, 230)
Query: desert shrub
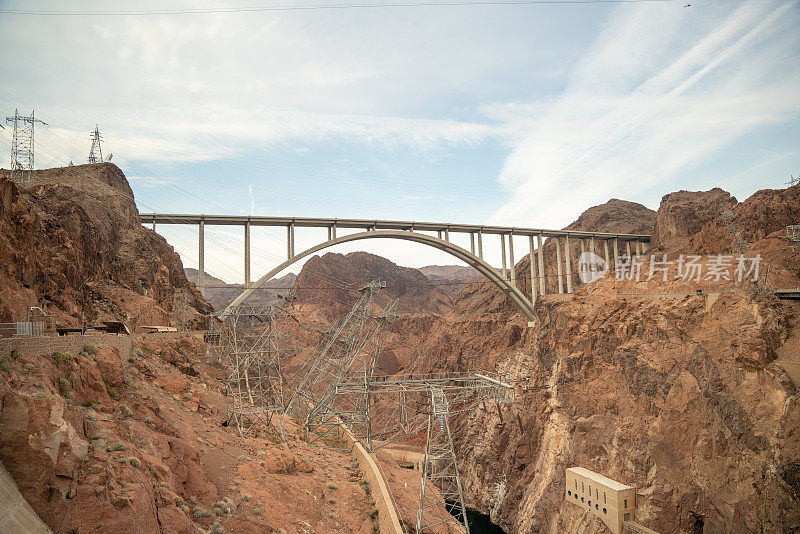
point(15, 354)
point(124, 410)
point(90, 350)
point(179, 501)
point(134, 461)
point(256, 511)
point(62, 358)
point(4, 361)
point(63, 388)
point(187, 395)
point(111, 391)
point(198, 512)
point(119, 504)
point(88, 403)
point(30, 368)
point(91, 420)
point(118, 446)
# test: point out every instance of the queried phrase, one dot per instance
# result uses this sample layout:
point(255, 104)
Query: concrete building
point(611, 501)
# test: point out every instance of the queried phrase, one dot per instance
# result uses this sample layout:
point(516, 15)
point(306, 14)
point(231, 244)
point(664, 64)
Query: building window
point(626, 503)
point(582, 499)
point(569, 492)
point(576, 484)
point(590, 504)
point(583, 488)
point(605, 511)
point(576, 496)
point(604, 497)
point(596, 506)
point(627, 517)
point(596, 493)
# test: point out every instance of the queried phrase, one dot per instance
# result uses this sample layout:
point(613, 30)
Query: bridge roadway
point(412, 231)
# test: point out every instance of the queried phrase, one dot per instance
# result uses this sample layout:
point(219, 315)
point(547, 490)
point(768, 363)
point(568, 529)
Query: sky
point(519, 115)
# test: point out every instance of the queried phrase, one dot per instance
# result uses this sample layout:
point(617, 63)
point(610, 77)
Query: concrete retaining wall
point(45, 346)
point(388, 520)
point(16, 515)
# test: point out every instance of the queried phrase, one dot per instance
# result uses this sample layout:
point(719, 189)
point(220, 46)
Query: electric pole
point(96, 153)
point(22, 146)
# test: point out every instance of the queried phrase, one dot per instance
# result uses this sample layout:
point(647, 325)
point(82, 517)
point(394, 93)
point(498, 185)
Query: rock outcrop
point(71, 238)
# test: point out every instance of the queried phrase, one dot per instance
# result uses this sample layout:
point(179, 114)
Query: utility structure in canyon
point(608, 246)
point(339, 393)
point(253, 342)
point(22, 145)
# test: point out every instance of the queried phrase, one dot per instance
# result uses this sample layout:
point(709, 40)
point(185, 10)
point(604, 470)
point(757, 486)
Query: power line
point(317, 7)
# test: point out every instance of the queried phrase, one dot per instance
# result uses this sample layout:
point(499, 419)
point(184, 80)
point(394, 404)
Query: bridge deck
point(370, 224)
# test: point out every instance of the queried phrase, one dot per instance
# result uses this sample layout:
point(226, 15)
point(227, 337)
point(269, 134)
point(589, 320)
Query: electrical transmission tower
point(340, 347)
point(22, 146)
point(181, 311)
point(340, 393)
point(96, 153)
point(253, 342)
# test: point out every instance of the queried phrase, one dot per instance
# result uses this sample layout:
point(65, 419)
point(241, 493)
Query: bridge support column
point(201, 257)
point(439, 234)
point(541, 264)
point(154, 223)
point(628, 248)
point(558, 262)
point(511, 257)
point(646, 247)
point(503, 253)
point(638, 248)
point(447, 235)
point(591, 246)
point(583, 245)
point(480, 245)
point(333, 232)
point(568, 253)
point(290, 241)
point(532, 258)
point(616, 252)
point(247, 254)
point(605, 254)
point(472, 242)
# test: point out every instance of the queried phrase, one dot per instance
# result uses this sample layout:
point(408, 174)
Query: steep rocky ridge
point(71, 237)
point(685, 397)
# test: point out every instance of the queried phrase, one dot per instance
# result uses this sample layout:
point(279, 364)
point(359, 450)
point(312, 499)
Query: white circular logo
point(591, 267)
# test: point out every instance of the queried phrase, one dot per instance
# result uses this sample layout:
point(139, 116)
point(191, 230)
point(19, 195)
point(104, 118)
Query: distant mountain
point(329, 284)
point(219, 294)
point(450, 278)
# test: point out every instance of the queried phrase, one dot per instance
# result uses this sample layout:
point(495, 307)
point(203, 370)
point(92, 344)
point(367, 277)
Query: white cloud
point(625, 124)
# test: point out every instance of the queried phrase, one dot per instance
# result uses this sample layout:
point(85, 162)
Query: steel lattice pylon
point(408, 405)
point(22, 146)
point(253, 342)
point(347, 349)
point(96, 152)
point(441, 471)
point(181, 311)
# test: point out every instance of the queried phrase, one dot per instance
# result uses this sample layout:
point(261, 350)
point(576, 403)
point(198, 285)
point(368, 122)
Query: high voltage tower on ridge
point(96, 153)
point(22, 146)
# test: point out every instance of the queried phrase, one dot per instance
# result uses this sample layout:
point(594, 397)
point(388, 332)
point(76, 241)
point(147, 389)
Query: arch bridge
point(504, 278)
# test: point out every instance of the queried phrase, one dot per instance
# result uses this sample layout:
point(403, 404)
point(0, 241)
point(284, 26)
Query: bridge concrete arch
point(506, 286)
